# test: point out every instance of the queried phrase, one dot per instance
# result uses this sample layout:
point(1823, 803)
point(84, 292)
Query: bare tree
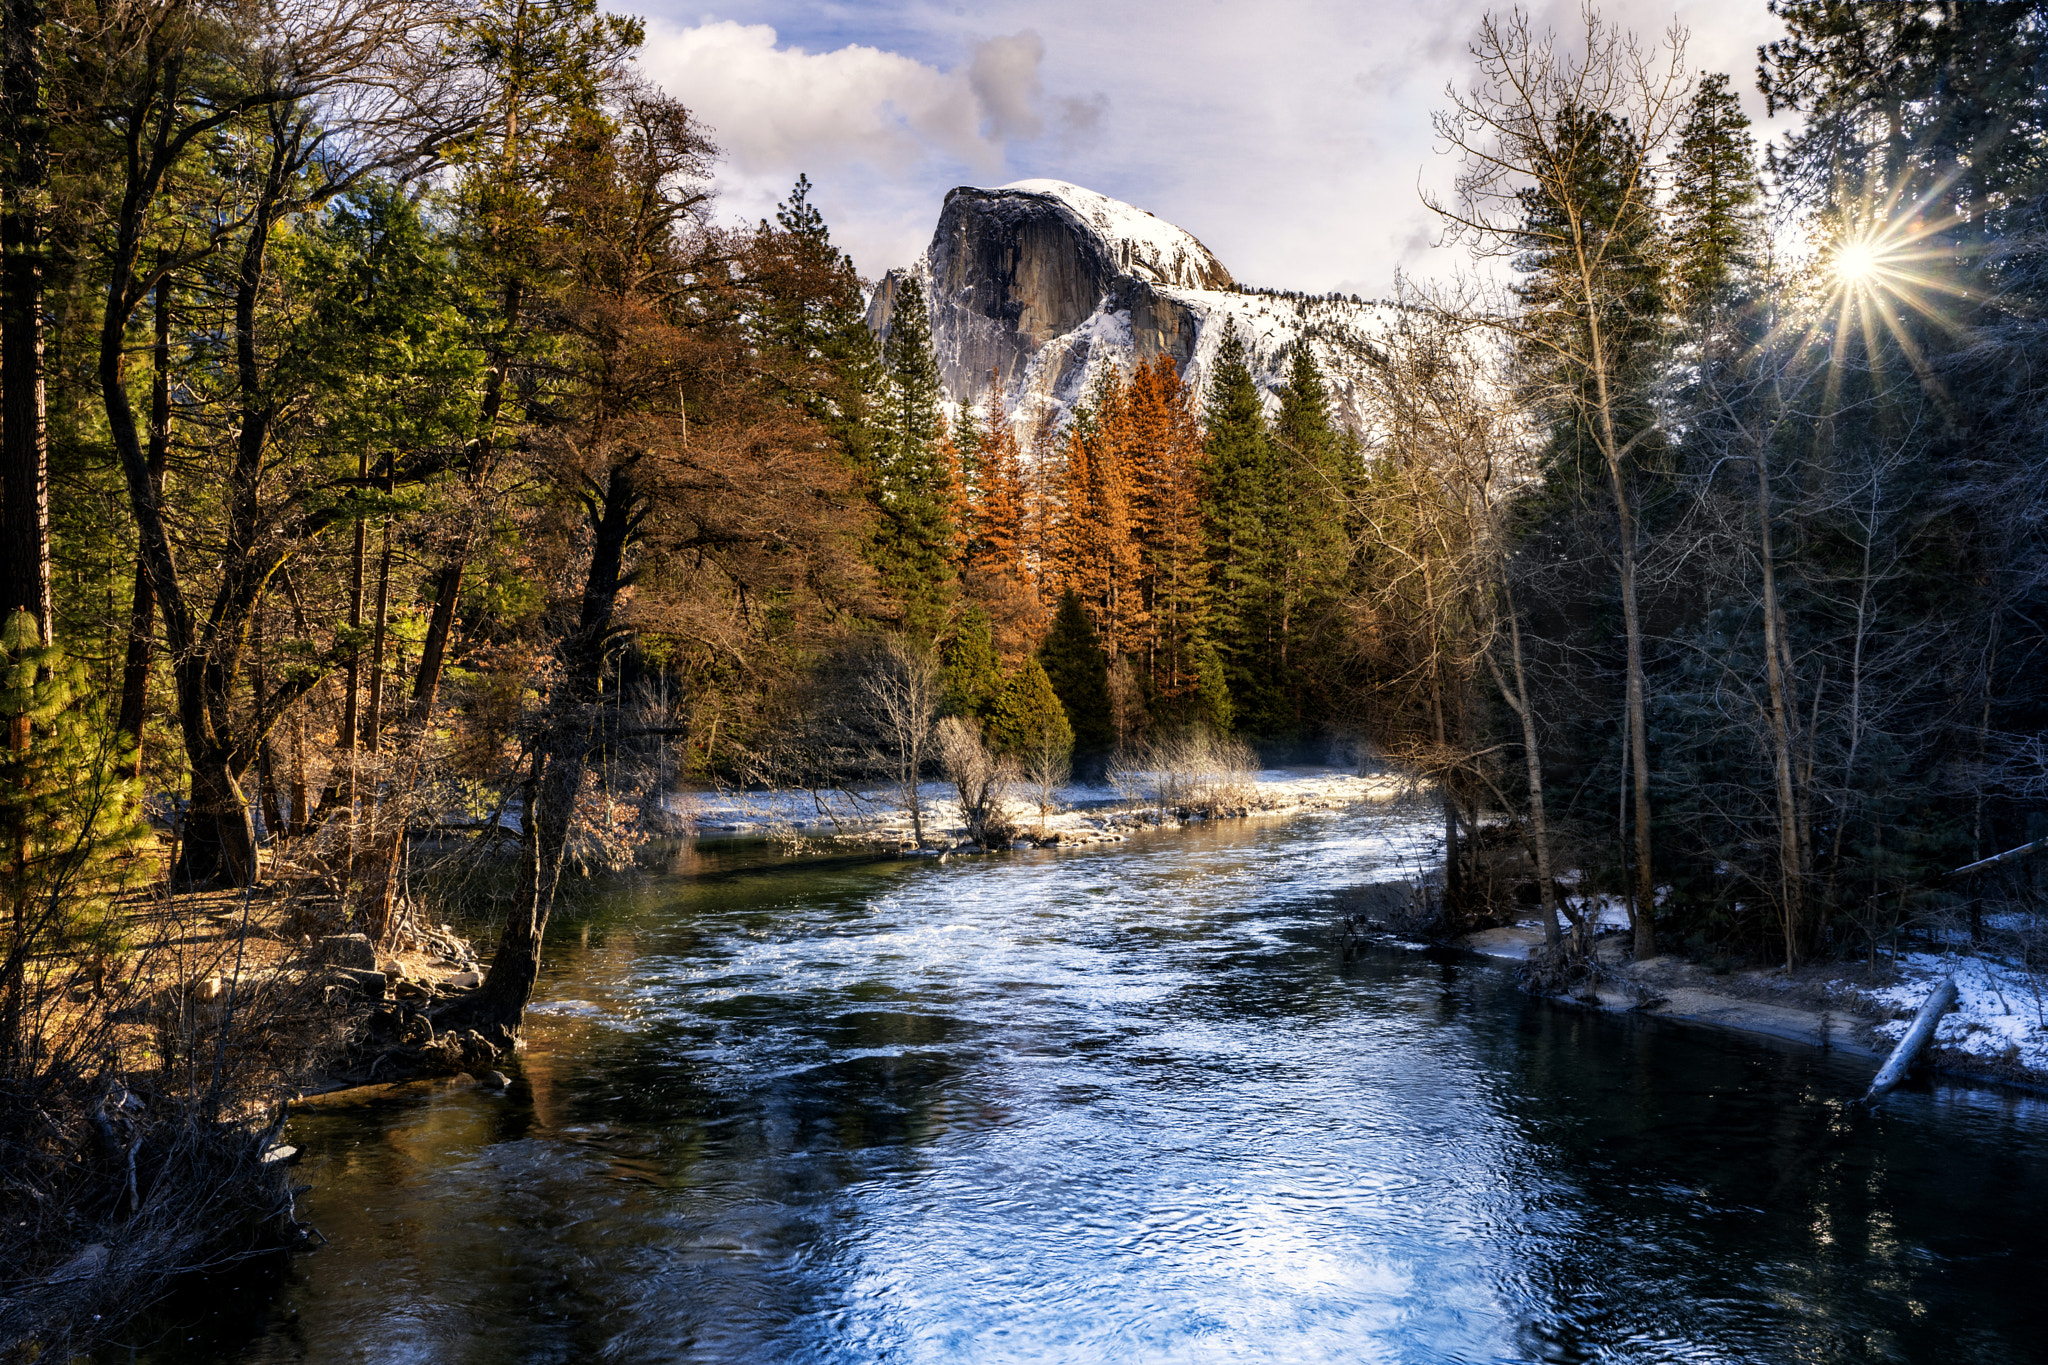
point(982, 781)
point(1535, 135)
point(892, 714)
point(1440, 605)
point(1046, 765)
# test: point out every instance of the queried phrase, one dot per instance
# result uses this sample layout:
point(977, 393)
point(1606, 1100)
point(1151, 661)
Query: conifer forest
point(420, 492)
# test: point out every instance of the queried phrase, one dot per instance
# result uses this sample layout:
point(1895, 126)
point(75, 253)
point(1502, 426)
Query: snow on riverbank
point(1083, 813)
point(2000, 1014)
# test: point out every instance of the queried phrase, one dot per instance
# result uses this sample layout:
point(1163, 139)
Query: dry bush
point(1190, 772)
point(137, 1110)
point(981, 779)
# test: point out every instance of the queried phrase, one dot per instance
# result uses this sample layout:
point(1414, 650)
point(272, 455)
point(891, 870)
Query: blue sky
point(1290, 136)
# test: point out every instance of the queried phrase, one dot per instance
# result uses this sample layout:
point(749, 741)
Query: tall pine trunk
point(24, 433)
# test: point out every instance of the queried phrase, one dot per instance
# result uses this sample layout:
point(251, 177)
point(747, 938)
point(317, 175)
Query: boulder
point(347, 950)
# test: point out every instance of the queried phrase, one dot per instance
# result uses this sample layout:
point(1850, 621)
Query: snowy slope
point(1268, 325)
point(1142, 245)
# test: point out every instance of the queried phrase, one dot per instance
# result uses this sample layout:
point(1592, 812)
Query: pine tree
point(1598, 201)
point(1028, 720)
point(915, 542)
point(994, 573)
point(1240, 479)
point(1716, 198)
point(1079, 672)
point(995, 536)
point(821, 318)
point(1100, 560)
point(1213, 709)
point(1032, 730)
point(974, 678)
point(1163, 451)
point(1309, 545)
point(68, 815)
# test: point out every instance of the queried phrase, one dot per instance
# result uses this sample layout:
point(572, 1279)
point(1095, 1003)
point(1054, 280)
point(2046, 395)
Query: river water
point(1125, 1104)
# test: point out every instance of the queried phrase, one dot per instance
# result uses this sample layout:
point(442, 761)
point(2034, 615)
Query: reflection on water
point(1125, 1105)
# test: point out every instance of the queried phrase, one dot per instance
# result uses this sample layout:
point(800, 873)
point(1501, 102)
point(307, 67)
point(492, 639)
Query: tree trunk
point(1789, 869)
point(561, 754)
point(374, 721)
point(1638, 724)
point(434, 649)
point(301, 813)
point(448, 582)
point(142, 608)
point(24, 432)
point(220, 838)
point(341, 777)
point(1517, 699)
point(266, 768)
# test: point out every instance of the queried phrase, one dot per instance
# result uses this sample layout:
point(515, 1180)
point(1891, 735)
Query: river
point(1124, 1104)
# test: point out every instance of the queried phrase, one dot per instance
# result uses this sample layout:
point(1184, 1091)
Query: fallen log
point(2022, 851)
point(1916, 1040)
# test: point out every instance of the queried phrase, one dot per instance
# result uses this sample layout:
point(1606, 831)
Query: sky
point(1291, 136)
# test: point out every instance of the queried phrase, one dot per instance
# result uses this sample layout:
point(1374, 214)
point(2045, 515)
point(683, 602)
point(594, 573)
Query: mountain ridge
point(1043, 284)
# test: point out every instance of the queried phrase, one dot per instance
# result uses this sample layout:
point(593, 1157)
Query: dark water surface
point(1126, 1105)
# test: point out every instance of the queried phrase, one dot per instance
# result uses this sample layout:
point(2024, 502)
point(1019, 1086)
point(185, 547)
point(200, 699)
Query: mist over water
point(1125, 1104)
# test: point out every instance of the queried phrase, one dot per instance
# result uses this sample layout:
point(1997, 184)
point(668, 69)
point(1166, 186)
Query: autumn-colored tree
point(994, 573)
point(1097, 546)
point(1163, 450)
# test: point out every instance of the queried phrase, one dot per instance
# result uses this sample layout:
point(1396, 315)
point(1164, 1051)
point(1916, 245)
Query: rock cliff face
point(1040, 284)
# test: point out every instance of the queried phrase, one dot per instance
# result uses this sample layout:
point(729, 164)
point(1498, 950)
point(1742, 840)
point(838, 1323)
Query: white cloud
point(1291, 141)
point(775, 109)
point(1004, 77)
point(883, 135)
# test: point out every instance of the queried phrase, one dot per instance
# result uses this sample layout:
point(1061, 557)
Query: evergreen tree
point(915, 543)
point(819, 317)
point(1307, 531)
point(1214, 710)
point(995, 536)
point(1716, 219)
point(1163, 451)
point(1592, 206)
point(1079, 672)
point(1029, 721)
point(69, 815)
point(1100, 560)
point(1240, 479)
point(974, 678)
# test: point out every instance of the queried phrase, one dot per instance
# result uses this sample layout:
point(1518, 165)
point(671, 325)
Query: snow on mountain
point(1040, 285)
point(1143, 245)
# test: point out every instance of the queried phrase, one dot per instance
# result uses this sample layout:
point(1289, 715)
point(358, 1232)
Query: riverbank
point(1081, 812)
point(1997, 1033)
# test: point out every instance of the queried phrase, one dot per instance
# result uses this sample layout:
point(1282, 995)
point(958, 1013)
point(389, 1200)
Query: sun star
point(1855, 262)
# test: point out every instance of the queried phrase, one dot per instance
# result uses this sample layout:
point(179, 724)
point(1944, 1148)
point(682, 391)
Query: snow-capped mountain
point(1041, 284)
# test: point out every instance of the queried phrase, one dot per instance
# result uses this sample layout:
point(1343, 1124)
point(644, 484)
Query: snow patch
point(1084, 811)
point(2000, 1013)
